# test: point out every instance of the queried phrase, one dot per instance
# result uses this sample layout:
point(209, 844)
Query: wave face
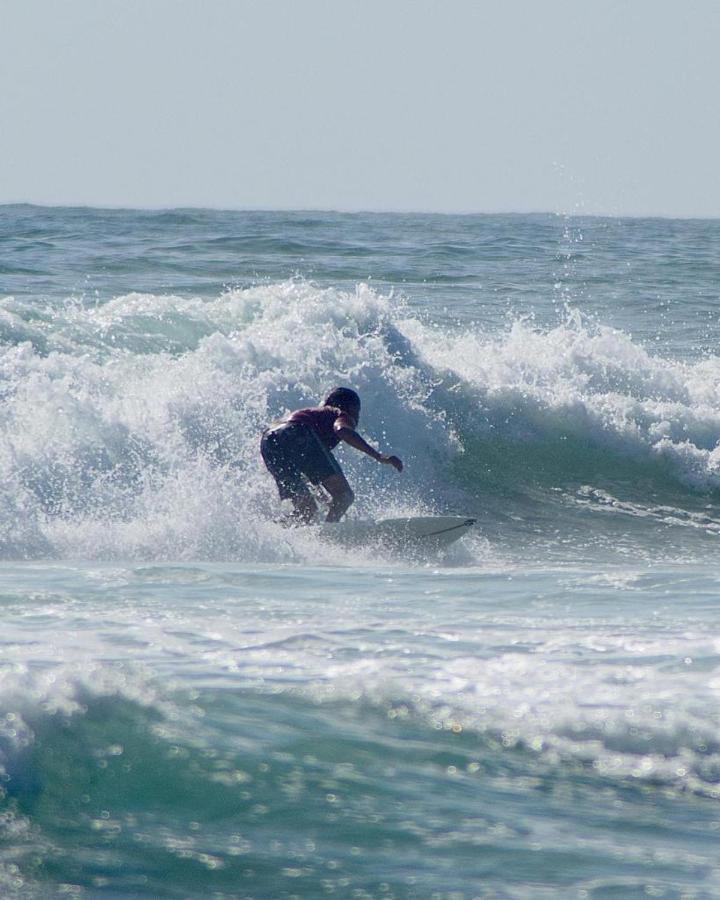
point(130, 428)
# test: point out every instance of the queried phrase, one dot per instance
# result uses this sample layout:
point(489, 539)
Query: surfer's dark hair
point(342, 397)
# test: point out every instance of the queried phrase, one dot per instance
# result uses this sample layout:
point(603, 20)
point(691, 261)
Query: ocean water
point(196, 702)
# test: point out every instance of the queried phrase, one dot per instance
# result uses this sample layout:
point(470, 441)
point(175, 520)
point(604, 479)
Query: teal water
point(195, 702)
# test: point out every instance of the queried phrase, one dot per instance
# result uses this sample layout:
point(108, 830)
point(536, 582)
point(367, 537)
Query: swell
point(222, 788)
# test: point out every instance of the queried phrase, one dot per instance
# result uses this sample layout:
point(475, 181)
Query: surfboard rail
point(409, 532)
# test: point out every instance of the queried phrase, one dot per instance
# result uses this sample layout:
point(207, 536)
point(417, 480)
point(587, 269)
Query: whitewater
point(196, 701)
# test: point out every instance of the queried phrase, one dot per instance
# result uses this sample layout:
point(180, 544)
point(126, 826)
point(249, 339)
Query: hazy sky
point(596, 106)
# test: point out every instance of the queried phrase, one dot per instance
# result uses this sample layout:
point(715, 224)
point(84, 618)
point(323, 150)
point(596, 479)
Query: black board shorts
point(293, 452)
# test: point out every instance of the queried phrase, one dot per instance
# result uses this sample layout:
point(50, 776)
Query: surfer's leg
point(342, 496)
point(320, 467)
point(280, 452)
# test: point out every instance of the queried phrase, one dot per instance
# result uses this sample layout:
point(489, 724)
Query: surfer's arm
point(343, 429)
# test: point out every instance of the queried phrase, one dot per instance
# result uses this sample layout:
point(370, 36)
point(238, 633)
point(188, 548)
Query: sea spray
point(153, 442)
point(159, 450)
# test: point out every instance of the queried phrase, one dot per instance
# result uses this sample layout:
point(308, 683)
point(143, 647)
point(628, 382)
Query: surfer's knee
point(341, 501)
point(340, 491)
point(342, 496)
point(346, 497)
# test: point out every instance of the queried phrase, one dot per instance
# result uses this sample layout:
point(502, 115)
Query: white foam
point(155, 454)
point(138, 437)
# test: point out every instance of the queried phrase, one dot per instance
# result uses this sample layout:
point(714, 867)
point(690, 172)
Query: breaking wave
point(130, 429)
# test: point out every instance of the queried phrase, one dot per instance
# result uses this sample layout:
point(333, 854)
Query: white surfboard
point(416, 533)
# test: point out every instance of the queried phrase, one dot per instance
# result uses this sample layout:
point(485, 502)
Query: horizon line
point(578, 214)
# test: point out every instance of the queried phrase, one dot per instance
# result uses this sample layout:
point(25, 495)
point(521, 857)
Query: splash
point(130, 429)
point(150, 450)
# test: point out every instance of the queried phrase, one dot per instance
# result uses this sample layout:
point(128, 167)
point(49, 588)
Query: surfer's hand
point(394, 461)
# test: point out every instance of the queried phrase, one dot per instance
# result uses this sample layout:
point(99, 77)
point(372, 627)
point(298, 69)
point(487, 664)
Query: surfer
point(298, 450)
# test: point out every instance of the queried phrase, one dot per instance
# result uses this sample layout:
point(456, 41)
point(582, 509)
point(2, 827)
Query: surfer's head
point(345, 399)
